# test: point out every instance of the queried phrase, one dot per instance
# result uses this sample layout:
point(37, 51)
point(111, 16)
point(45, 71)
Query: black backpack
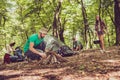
point(65, 51)
point(18, 52)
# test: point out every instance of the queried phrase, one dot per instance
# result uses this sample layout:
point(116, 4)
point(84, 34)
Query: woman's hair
point(12, 44)
point(97, 21)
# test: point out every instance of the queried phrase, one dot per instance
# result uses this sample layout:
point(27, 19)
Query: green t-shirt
point(33, 38)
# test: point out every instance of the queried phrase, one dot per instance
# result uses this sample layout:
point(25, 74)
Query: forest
point(64, 19)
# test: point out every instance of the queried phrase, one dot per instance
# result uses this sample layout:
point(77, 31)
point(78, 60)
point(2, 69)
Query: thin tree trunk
point(99, 8)
point(56, 20)
point(117, 20)
point(85, 23)
point(61, 31)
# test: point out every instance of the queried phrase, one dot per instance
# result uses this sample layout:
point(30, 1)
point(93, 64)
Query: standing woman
point(100, 31)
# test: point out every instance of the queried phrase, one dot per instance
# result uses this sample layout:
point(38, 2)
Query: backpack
point(65, 51)
point(18, 53)
point(81, 46)
point(96, 42)
point(7, 58)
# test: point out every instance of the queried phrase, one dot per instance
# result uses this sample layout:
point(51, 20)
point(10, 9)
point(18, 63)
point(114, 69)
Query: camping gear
point(96, 42)
point(53, 44)
point(18, 53)
point(7, 58)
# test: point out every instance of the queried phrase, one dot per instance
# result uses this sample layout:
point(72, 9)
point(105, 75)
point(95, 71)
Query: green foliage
point(21, 18)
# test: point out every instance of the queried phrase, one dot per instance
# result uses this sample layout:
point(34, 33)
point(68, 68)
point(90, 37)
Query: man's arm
point(31, 48)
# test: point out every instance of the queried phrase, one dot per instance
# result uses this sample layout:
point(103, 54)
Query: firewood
point(52, 57)
point(58, 57)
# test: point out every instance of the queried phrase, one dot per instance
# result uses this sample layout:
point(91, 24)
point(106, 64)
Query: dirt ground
point(87, 65)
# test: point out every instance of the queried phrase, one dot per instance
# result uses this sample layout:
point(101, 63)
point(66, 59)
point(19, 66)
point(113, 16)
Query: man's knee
point(32, 56)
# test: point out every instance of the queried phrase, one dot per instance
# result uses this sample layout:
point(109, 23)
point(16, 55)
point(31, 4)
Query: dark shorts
point(33, 56)
point(100, 32)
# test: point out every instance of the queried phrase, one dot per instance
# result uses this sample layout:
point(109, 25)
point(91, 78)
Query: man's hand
point(43, 55)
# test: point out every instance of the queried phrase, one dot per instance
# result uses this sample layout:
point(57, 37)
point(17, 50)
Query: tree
point(117, 20)
point(56, 20)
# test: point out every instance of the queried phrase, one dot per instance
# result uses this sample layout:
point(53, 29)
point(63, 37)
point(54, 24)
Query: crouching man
point(34, 44)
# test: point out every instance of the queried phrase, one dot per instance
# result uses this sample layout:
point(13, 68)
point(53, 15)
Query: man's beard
point(41, 36)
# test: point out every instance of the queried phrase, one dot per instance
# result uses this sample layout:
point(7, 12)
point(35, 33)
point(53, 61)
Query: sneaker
point(102, 51)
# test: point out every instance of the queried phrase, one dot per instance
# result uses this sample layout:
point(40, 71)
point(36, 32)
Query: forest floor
point(87, 65)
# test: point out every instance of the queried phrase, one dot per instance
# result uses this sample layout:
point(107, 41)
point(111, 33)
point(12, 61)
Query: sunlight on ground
point(111, 61)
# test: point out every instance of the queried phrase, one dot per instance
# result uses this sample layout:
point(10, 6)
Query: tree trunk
point(85, 24)
point(61, 31)
point(99, 10)
point(117, 20)
point(56, 20)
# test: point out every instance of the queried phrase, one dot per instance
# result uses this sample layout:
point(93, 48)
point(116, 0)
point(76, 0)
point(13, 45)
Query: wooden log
point(58, 57)
point(52, 57)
